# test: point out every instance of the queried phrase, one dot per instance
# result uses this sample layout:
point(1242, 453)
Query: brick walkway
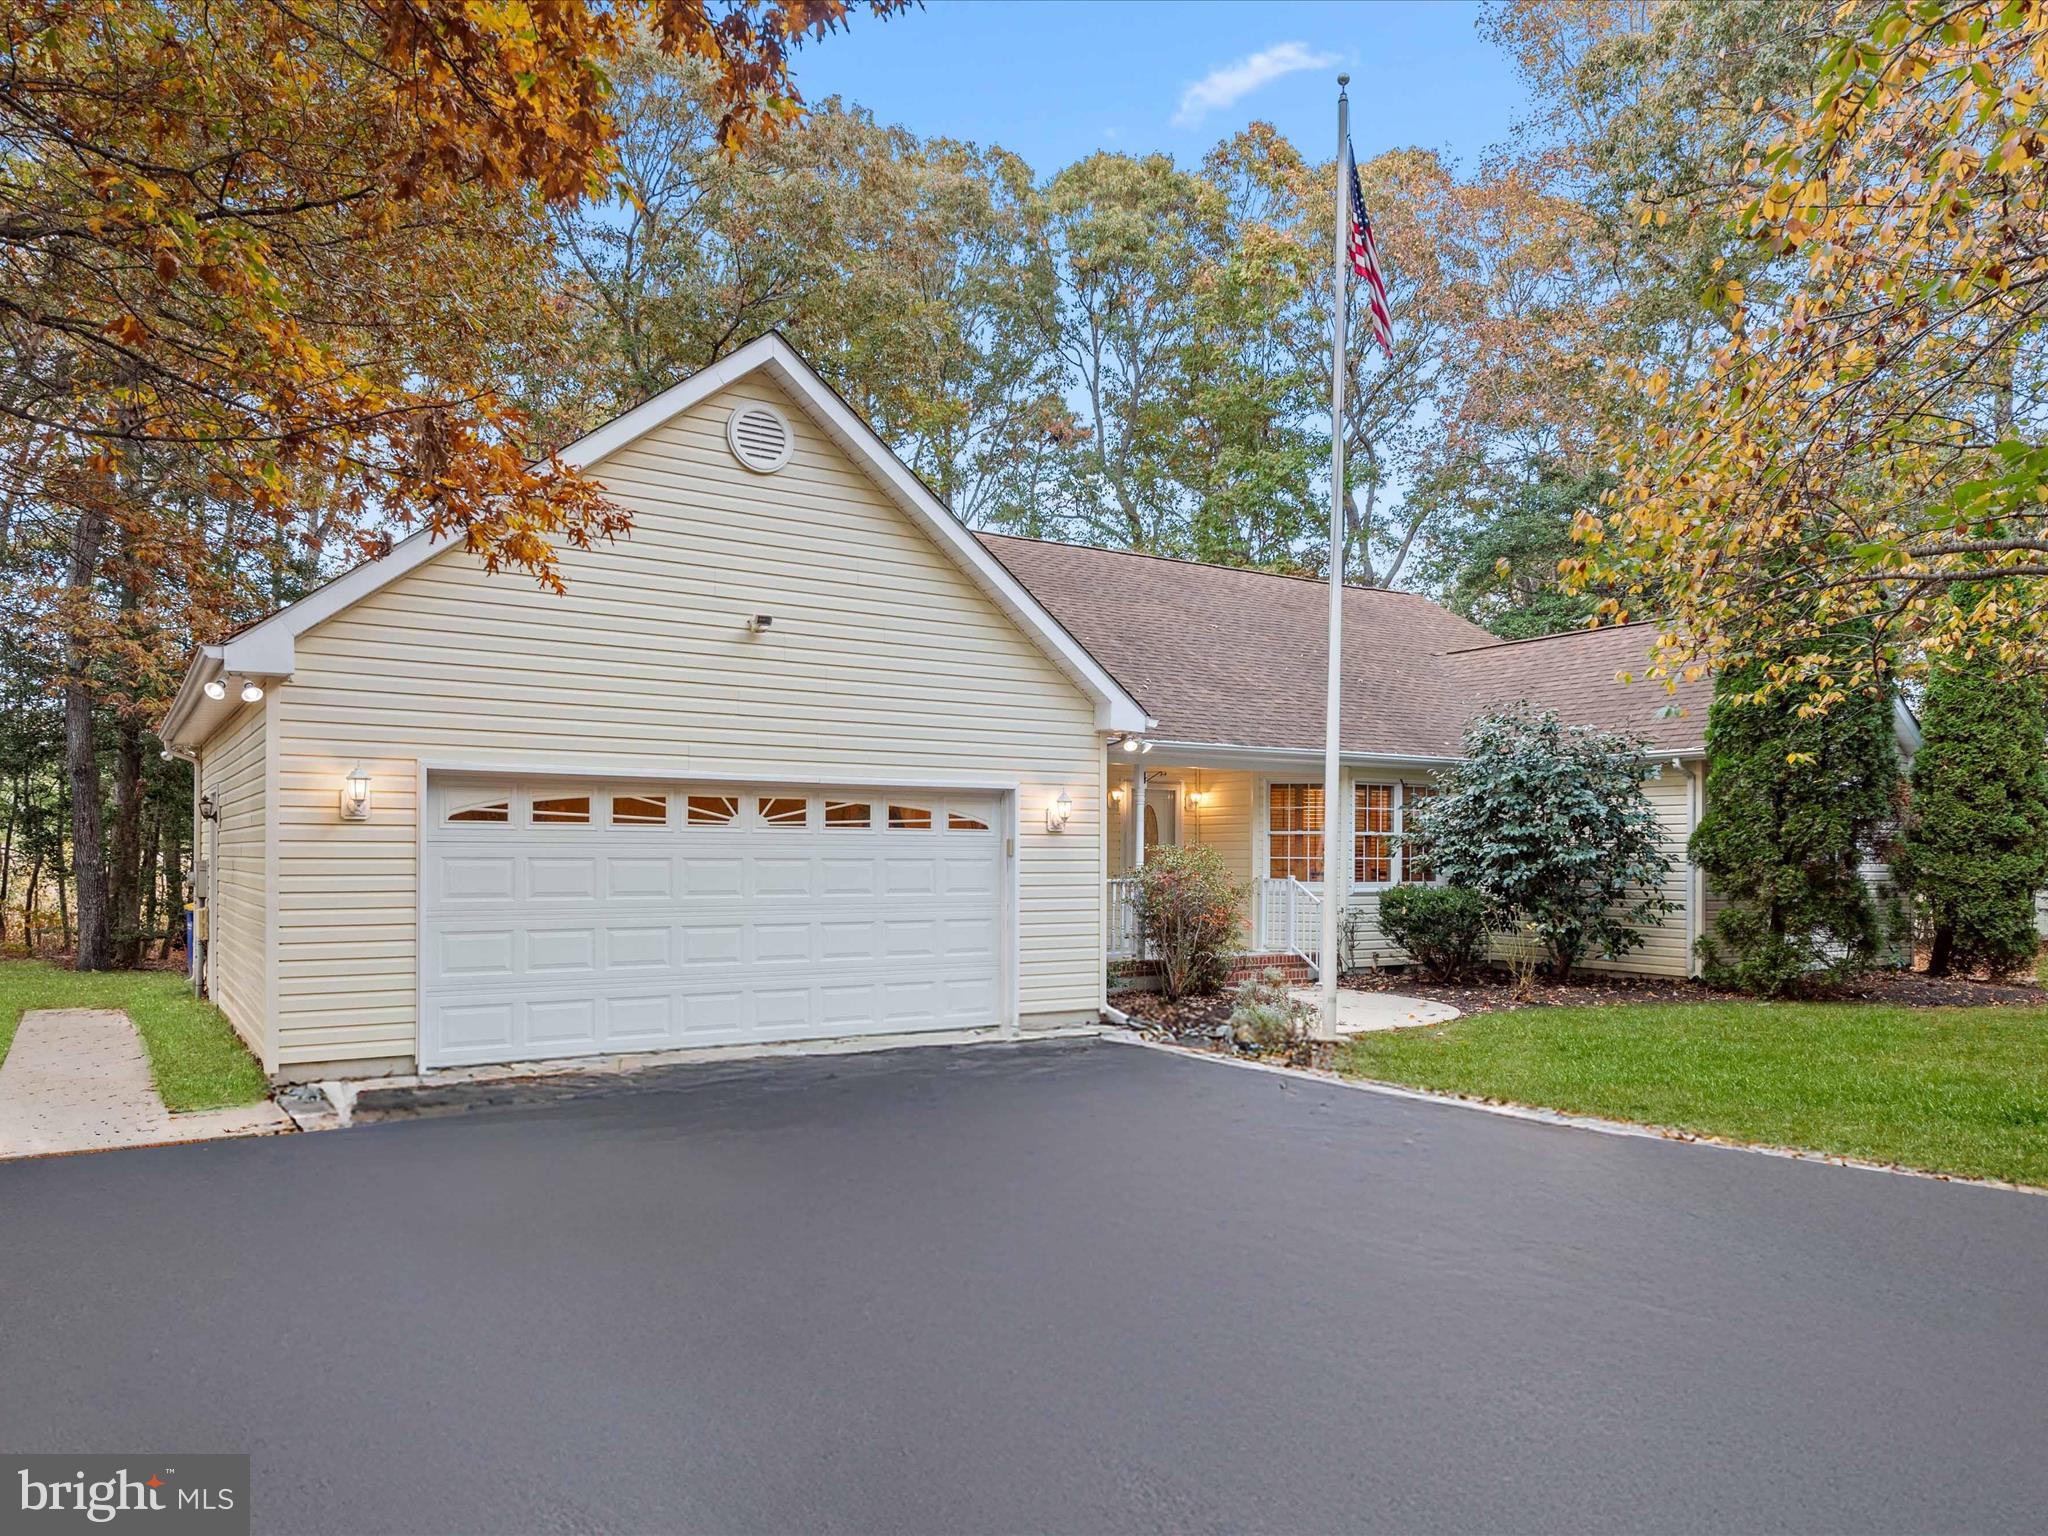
point(76, 1080)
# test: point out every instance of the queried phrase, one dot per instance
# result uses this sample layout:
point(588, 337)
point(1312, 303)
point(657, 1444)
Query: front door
point(1162, 814)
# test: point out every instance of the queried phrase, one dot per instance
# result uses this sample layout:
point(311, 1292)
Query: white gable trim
point(267, 649)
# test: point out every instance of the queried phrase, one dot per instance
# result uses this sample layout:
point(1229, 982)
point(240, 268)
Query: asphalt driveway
point(1066, 1286)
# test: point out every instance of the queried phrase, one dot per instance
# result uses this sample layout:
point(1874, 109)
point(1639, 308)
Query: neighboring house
point(802, 757)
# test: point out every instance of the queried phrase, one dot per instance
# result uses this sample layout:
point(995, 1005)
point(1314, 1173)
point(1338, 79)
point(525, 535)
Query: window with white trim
point(1294, 832)
point(561, 810)
point(910, 818)
point(482, 810)
point(1372, 834)
point(960, 821)
point(784, 810)
point(849, 815)
point(639, 810)
point(712, 810)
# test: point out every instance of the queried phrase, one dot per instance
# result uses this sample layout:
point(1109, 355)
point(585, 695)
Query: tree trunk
point(1941, 950)
point(124, 856)
point(63, 899)
point(145, 927)
point(28, 905)
point(81, 761)
point(174, 891)
point(6, 874)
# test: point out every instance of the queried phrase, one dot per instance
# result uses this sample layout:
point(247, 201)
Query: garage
point(565, 918)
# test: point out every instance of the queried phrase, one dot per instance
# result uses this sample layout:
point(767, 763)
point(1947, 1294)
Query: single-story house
point(802, 757)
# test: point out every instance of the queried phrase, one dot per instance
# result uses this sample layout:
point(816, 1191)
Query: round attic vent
point(760, 437)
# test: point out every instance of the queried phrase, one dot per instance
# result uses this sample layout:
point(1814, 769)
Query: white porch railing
point(1287, 918)
point(1124, 937)
point(1290, 918)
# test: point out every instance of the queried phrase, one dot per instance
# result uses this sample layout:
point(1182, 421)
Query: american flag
point(1365, 258)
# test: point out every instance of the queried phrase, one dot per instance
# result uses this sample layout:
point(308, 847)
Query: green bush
point(1976, 843)
point(1550, 825)
point(1442, 926)
point(1190, 911)
point(1796, 803)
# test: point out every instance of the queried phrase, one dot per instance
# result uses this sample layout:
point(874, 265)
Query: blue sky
point(1054, 80)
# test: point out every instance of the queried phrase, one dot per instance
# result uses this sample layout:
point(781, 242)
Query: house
point(801, 757)
point(1231, 663)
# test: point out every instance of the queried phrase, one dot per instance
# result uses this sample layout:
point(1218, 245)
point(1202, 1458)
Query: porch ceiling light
point(216, 688)
point(1130, 743)
point(251, 690)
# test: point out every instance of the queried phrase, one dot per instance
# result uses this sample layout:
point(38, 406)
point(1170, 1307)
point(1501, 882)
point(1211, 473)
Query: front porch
point(1263, 812)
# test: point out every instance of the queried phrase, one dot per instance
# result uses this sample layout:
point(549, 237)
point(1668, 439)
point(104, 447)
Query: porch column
point(1137, 813)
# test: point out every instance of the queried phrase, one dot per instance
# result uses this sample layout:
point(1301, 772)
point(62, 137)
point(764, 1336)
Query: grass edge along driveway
point(197, 1059)
point(1947, 1090)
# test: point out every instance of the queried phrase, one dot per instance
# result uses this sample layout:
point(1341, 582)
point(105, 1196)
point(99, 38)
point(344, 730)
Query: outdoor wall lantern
point(355, 795)
point(1196, 797)
point(1117, 794)
point(1057, 813)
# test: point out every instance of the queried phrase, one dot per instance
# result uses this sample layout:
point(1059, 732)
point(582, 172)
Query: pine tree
point(1976, 844)
point(1794, 806)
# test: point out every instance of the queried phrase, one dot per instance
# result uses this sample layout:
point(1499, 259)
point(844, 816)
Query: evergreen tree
point(1794, 806)
point(1976, 844)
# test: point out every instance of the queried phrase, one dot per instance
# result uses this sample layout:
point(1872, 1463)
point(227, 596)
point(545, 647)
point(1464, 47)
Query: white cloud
point(1230, 84)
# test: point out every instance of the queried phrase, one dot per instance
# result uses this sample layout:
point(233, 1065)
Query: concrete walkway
point(76, 1080)
point(1361, 1012)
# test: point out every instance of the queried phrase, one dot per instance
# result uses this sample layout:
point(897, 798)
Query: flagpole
point(1333, 782)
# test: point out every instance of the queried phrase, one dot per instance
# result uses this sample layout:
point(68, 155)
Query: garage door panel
point(470, 879)
point(565, 939)
point(472, 955)
point(554, 951)
point(638, 949)
point(639, 879)
point(722, 877)
point(782, 876)
point(561, 879)
point(564, 1022)
point(638, 1020)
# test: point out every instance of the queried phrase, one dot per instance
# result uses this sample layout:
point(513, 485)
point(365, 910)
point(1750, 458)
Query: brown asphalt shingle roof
point(1227, 656)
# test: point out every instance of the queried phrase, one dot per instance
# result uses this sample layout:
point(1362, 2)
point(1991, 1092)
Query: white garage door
point(563, 918)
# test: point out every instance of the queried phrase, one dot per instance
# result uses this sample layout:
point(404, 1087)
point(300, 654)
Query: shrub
point(1190, 910)
point(1795, 805)
point(1442, 926)
point(1550, 826)
point(1269, 1018)
point(1976, 843)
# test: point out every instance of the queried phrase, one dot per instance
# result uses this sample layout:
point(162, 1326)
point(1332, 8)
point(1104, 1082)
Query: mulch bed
point(1201, 1020)
point(1493, 994)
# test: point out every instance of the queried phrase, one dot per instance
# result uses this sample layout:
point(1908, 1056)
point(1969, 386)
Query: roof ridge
point(1560, 634)
point(1206, 565)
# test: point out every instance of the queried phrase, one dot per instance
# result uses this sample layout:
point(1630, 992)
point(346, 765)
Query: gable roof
point(1222, 656)
point(266, 648)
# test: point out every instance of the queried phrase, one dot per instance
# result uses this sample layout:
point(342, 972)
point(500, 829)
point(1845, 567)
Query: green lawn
point(1953, 1090)
point(199, 1061)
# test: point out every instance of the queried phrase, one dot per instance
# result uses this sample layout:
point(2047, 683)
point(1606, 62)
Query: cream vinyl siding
point(885, 664)
point(1664, 951)
point(232, 771)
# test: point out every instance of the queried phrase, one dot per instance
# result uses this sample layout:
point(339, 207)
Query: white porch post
point(1137, 814)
